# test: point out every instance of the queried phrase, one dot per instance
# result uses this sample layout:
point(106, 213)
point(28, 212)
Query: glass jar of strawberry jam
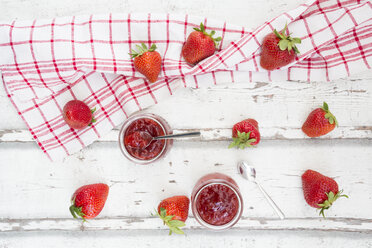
point(134, 138)
point(216, 201)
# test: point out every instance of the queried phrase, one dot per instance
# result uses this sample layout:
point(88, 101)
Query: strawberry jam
point(217, 204)
point(216, 201)
point(138, 145)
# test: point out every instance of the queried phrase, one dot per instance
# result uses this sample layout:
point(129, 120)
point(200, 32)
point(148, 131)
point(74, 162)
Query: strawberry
point(174, 212)
point(278, 50)
point(199, 45)
point(245, 134)
point(89, 200)
point(320, 191)
point(319, 122)
point(78, 115)
point(147, 61)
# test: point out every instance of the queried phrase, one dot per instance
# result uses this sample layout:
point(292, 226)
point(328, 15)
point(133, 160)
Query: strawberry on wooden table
point(320, 191)
point(319, 122)
point(199, 45)
point(147, 61)
point(174, 212)
point(77, 114)
point(89, 200)
point(278, 50)
point(245, 134)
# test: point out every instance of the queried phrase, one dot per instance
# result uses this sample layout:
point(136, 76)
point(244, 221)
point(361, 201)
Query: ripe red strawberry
point(147, 61)
point(245, 134)
point(319, 122)
point(77, 114)
point(199, 45)
point(278, 50)
point(174, 212)
point(320, 191)
point(89, 200)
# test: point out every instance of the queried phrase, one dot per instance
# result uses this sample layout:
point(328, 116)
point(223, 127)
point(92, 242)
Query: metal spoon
point(249, 173)
point(147, 137)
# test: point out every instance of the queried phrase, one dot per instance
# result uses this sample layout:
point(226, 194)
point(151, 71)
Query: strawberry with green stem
point(278, 50)
point(174, 225)
point(78, 115)
point(320, 191)
point(199, 45)
point(174, 212)
point(88, 201)
point(319, 122)
point(245, 134)
point(147, 61)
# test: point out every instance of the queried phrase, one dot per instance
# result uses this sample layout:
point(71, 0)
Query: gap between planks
point(153, 223)
point(219, 134)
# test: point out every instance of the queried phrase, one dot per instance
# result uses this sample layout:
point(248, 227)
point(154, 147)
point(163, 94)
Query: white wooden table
point(35, 193)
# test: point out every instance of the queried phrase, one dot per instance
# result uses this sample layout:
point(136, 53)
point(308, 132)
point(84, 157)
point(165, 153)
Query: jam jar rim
point(234, 188)
point(129, 121)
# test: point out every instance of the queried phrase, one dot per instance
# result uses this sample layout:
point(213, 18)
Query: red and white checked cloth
point(46, 63)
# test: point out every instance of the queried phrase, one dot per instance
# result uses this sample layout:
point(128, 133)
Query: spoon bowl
point(247, 172)
point(139, 139)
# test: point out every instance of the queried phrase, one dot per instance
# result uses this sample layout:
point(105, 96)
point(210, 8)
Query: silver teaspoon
point(249, 173)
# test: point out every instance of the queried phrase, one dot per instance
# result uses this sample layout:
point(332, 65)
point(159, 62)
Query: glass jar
point(216, 201)
point(153, 124)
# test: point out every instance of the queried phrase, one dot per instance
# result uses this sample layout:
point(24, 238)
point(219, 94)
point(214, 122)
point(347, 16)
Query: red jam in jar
point(216, 201)
point(217, 204)
point(139, 146)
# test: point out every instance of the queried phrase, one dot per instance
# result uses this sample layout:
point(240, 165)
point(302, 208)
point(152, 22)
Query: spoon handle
point(180, 135)
point(271, 202)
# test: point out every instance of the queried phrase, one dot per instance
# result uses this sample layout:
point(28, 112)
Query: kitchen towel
point(46, 63)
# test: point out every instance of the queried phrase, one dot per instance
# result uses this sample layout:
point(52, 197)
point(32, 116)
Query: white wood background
point(35, 193)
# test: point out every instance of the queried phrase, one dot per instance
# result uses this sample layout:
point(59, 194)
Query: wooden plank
point(221, 134)
point(135, 190)
point(350, 101)
point(237, 11)
point(275, 105)
point(194, 238)
point(136, 223)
